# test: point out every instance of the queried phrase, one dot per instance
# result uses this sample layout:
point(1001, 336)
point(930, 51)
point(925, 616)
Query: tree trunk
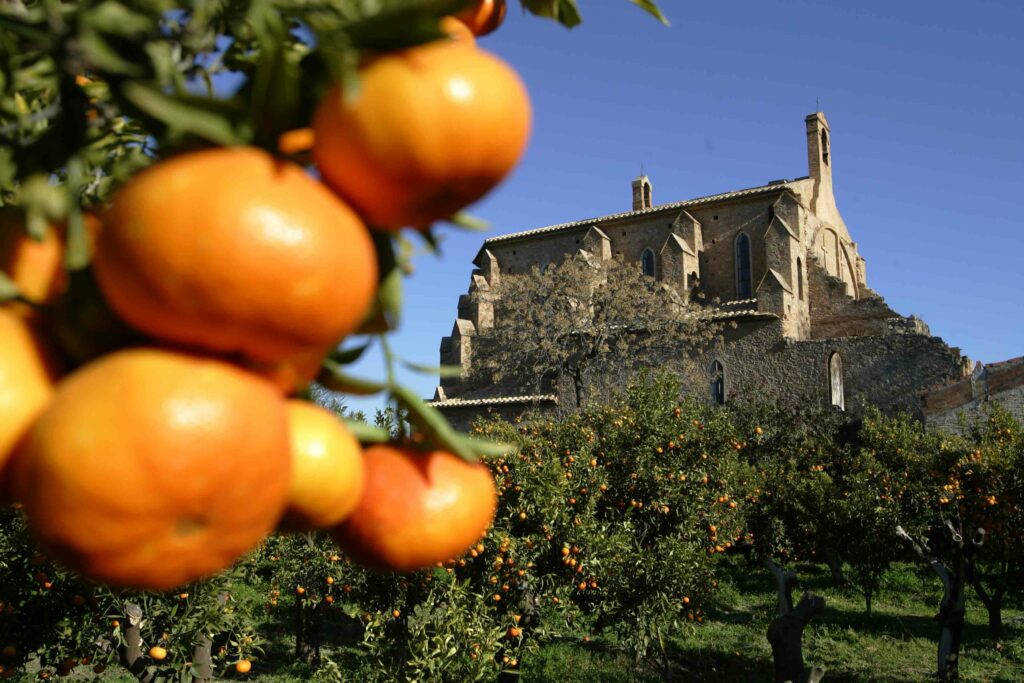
point(130, 654)
point(953, 605)
point(786, 631)
point(993, 605)
point(307, 633)
point(202, 660)
point(835, 565)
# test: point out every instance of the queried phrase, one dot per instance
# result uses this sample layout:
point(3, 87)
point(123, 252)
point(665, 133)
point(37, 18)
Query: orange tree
point(614, 518)
point(793, 452)
point(885, 479)
point(984, 488)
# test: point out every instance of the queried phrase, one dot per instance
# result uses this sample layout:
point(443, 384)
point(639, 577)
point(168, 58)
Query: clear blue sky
point(925, 101)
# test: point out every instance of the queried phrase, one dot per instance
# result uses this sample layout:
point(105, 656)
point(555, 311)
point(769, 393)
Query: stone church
point(784, 271)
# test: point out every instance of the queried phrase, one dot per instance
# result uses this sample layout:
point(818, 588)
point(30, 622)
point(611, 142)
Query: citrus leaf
point(365, 433)
point(346, 356)
point(440, 370)
point(469, 222)
point(482, 447)
point(652, 9)
point(563, 11)
point(178, 114)
point(432, 424)
point(332, 377)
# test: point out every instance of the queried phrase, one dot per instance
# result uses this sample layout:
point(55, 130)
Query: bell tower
point(819, 161)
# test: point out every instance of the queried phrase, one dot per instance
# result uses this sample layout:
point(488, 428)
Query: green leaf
point(483, 447)
point(469, 222)
point(440, 370)
point(98, 53)
point(365, 433)
point(651, 8)
point(563, 11)
point(347, 356)
point(432, 424)
point(181, 114)
point(332, 377)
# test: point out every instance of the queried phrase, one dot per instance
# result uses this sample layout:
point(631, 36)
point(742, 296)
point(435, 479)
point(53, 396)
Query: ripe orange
point(233, 251)
point(27, 376)
point(483, 16)
point(36, 267)
point(432, 129)
point(243, 666)
point(158, 653)
point(150, 469)
point(417, 508)
point(327, 469)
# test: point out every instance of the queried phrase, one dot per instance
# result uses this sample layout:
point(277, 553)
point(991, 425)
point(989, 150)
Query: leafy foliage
point(580, 318)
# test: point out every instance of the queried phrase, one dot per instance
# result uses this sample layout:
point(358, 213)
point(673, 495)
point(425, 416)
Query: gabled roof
point(675, 206)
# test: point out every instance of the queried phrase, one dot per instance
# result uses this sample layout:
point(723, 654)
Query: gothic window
point(647, 262)
point(717, 373)
point(741, 252)
point(800, 278)
point(835, 381)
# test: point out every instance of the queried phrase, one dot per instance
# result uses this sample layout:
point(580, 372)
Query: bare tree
point(582, 320)
point(952, 607)
point(786, 632)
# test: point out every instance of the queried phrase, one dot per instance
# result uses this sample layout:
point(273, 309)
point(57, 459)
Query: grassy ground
point(897, 644)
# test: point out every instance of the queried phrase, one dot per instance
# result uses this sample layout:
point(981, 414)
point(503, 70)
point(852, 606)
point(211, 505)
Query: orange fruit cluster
point(161, 463)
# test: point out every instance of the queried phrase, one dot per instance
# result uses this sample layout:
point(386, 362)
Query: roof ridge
point(654, 209)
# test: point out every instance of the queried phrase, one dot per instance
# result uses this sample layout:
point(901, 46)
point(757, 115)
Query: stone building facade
point(782, 266)
point(961, 403)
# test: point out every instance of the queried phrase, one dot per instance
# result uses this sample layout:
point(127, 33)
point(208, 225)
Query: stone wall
point(957, 404)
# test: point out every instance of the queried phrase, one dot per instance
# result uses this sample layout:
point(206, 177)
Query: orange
point(243, 666)
point(158, 653)
point(232, 251)
point(150, 469)
point(327, 469)
point(27, 376)
point(417, 508)
point(36, 266)
point(483, 16)
point(431, 129)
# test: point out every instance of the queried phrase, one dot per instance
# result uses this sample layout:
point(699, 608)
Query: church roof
point(709, 199)
point(493, 400)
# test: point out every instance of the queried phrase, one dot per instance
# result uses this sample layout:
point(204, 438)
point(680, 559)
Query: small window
point(717, 372)
point(741, 252)
point(648, 263)
point(800, 278)
point(824, 146)
point(835, 381)
point(647, 195)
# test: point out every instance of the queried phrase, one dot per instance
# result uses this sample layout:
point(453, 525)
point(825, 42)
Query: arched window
point(647, 262)
point(717, 373)
point(835, 381)
point(741, 252)
point(647, 195)
point(800, 278)
point(824, 146)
